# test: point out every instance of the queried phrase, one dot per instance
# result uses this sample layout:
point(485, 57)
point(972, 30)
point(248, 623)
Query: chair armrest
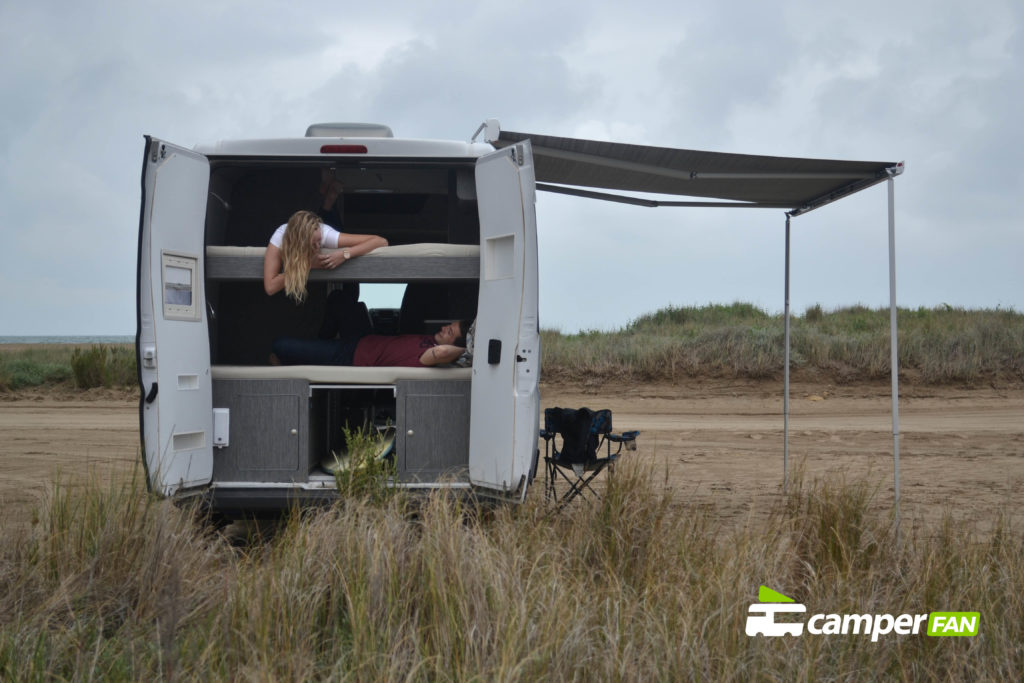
point(624, 436)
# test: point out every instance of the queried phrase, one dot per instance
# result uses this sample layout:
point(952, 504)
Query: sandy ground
point(717, 442)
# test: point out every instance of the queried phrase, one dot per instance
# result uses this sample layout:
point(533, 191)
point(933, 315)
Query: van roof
point(326, 147)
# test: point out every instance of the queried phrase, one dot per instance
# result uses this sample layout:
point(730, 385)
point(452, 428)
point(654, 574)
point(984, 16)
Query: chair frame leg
point(578, 487)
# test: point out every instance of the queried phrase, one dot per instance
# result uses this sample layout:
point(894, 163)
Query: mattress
point(337, 374)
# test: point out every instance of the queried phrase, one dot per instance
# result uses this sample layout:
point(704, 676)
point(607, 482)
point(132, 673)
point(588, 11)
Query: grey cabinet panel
point(433, 430)
point(269, 430)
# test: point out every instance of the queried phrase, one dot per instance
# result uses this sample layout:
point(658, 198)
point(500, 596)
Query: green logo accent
point(949, 624)
point(766, 594)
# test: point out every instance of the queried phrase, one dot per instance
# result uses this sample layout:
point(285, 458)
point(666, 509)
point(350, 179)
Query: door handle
point(494, 351)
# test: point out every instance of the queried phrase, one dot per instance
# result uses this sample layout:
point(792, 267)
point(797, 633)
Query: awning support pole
point(785, 399)
point(894, 360)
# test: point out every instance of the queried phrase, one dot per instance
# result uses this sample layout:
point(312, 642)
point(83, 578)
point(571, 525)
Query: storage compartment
point(333, 410)
point(430, 418)
point(269, 430)
point(281, 430)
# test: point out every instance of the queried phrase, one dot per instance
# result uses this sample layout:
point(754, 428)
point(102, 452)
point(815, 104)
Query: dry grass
point(936, 346)
point(25, 366)
point(112, 584)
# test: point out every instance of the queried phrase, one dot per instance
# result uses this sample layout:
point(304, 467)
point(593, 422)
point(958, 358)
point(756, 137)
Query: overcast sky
point(937, 84)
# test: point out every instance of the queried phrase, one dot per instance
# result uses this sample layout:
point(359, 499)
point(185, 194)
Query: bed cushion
point(337, 374)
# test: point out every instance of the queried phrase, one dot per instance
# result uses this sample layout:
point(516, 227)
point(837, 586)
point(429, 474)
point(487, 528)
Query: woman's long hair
point(297, 253)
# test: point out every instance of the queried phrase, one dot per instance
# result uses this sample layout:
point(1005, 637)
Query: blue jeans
point(344, 315)
point(296, 351)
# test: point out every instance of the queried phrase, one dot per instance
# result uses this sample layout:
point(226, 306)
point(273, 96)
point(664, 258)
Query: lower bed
point(337, 374)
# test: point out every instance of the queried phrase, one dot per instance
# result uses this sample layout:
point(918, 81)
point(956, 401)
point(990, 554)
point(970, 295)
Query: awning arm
point(654, 203)
point(847, 190)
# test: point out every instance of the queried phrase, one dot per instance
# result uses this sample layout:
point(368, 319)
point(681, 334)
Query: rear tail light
point(343, 149)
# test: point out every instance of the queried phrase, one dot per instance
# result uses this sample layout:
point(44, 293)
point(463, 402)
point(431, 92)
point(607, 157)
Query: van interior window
point(382, 295)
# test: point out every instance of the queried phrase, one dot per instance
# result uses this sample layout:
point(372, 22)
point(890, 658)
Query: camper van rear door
point(174, 346)
point(505, 403)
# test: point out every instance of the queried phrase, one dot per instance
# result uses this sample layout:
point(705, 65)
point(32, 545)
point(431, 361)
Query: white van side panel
point(506, 360)
point(173, 345)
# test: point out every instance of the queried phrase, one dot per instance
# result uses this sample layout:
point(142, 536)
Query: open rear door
point(506, 360)
point(172, 343)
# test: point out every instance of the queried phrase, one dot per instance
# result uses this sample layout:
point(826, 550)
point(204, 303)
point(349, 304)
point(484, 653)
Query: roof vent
point(349, 130)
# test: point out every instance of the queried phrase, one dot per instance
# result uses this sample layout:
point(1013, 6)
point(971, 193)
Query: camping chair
point(583, 433)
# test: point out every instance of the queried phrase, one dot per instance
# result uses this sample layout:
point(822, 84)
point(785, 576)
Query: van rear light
point(343, 149)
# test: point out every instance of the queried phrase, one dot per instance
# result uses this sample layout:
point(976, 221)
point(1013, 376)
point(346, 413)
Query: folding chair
point(583, 433)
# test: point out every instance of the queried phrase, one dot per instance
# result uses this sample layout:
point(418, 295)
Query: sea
point(75, 339)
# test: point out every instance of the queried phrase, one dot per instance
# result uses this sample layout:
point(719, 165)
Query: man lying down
point(354, 344)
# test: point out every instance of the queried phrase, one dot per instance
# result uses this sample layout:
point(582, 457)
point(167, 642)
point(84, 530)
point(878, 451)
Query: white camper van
point(218, 420)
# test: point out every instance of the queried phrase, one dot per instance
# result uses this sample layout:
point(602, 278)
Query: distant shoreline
point(69, 339)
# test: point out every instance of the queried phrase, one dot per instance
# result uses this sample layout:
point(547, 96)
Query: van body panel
point(173, 344)
point(506, 358)
point(375, 147)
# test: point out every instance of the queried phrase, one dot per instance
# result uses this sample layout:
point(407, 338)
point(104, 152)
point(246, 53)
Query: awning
point(565, 165)
point(568, 165)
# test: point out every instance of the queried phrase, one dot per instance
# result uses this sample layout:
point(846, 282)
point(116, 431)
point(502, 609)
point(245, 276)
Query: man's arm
point(441, 354)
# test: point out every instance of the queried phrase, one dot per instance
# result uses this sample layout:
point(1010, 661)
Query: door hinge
point(159, 151)
point(518, 155)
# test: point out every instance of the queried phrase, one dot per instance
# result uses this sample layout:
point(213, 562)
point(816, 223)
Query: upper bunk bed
point(403, 263)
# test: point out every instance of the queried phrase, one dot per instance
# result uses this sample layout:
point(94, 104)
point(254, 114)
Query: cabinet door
point(269, 435)
point(433, 430)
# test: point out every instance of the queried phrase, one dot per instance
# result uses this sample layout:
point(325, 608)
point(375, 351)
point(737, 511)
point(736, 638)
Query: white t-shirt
point(328, 236)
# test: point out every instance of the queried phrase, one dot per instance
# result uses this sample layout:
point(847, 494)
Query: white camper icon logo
point(761, 620)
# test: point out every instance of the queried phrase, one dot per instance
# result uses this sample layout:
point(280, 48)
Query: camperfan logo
point(761, 618)
point(761, 621)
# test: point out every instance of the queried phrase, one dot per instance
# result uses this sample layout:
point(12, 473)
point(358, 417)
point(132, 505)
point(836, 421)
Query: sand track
point(960, 449)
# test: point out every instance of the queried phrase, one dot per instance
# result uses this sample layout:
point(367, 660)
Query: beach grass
point(936, 346)
point(82, 366)
point(112, 584)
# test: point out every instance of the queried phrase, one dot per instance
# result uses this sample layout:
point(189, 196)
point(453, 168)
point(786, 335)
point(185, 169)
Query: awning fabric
point(738, 179)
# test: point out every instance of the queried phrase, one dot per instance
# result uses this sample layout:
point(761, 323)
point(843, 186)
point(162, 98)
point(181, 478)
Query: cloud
point(938, 84)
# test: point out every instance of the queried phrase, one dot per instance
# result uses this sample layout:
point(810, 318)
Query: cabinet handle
point(409, 433)
point(294, 432)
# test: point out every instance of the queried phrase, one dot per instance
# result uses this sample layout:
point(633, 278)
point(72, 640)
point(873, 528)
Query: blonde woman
point(294, 249)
